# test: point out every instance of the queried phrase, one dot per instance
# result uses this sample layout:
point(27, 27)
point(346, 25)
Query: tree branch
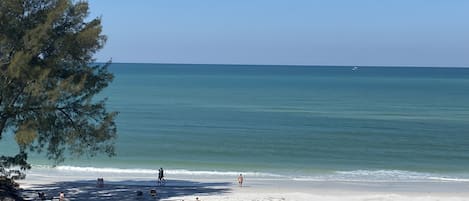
point(69, 118)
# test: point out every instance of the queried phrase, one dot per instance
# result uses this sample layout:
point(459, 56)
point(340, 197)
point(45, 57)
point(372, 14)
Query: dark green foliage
point(47, 82)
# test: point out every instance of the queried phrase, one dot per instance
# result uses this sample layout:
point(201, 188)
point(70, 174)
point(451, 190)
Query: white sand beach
point(82, 187)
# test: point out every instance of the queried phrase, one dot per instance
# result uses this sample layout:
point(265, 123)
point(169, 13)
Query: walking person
point(161, 176)
point(240, 180)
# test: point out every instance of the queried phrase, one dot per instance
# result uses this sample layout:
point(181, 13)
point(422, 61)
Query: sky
point(286, 32)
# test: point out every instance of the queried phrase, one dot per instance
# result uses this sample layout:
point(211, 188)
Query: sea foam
point(167, 171)
point(353, 175)
point(382, 176)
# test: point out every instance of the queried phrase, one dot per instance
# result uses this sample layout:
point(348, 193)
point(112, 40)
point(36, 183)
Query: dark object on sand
point(139, 193)
point(153, 193)
point(41, 195)
point(100, 182)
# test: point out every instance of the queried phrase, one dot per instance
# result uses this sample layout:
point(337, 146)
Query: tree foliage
point(48, 81)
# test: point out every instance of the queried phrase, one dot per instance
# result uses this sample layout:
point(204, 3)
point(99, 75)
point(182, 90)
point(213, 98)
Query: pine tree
point(48, 81)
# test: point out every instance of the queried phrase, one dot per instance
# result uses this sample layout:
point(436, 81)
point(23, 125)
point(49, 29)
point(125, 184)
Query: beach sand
point(183, 187)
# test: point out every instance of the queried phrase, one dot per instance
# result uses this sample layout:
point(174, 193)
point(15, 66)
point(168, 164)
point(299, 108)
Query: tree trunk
point(3, 122)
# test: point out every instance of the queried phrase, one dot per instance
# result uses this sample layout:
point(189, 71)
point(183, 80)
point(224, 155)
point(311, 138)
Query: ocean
point(299, 122)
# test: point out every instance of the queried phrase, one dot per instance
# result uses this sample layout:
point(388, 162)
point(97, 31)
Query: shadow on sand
point(125, 190)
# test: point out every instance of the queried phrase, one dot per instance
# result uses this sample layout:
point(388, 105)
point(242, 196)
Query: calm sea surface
point(289, 120)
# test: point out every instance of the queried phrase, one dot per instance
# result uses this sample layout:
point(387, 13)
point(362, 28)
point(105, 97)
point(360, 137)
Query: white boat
point(355, 68)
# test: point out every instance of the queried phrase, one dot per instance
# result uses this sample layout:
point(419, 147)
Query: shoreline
point(181, 187)
point(359, 175)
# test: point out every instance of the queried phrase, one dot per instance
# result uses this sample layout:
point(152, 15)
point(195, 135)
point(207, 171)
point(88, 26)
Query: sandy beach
point(82, 187)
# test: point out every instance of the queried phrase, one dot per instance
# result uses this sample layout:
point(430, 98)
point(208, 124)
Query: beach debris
point(153, 193)
point(41, 195)
point(100, 182)
point(139, 193)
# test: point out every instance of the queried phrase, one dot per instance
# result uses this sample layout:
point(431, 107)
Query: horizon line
point(295, 65)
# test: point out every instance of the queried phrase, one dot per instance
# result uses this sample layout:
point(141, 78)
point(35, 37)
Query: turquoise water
point(293, 120)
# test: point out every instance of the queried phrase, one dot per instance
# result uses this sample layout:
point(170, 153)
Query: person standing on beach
point(61, 196)
point(240, 180)
point(160, 176)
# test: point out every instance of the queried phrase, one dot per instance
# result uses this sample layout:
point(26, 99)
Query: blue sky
point(298, 32)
